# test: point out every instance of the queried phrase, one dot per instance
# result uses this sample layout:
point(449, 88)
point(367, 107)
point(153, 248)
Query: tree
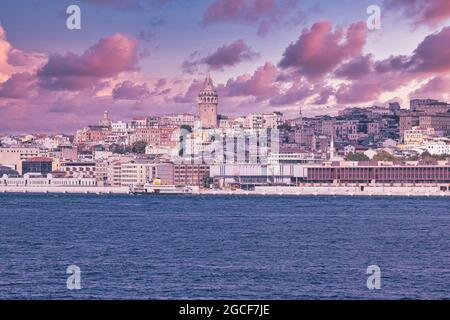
point(117, 149)
point(357, 157)
point(139, 147)
point(426, 156)
point(186, 127)
point(285, 126)
point(207, 181)
point(384, 156)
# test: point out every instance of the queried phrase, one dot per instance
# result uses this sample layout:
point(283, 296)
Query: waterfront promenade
point(317, 190)
point(66, 189)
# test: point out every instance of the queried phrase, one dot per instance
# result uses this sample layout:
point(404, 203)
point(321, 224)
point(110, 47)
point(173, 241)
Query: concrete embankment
point(425, 191)
point(70, 190)
point(422, 191)
point(419, 191)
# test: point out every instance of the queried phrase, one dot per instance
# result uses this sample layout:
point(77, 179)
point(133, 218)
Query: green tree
point(186, 127)
point(284, 126)
point(384, 156)
point(139, 147)
point(357, 157)
point(117, 149)
point(426, 156)
point(207, 181)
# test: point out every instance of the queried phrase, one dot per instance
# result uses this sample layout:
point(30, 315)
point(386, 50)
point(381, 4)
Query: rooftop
point(39, 159)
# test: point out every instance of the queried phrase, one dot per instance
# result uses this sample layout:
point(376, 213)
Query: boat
point(156, 187)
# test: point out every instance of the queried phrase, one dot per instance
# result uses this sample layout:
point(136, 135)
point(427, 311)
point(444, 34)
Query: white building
point(119, 127)
point(248, 176)
point(285, 158)
point(36, 180)
point(438, 149)
point(349, 149)
point(272, 120)
point(183, 119)
point(254, 121)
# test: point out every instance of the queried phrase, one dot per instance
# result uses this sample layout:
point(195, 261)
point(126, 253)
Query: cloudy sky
point(143, 57)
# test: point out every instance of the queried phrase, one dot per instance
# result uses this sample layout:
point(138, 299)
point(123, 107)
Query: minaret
point(332, 150)
point(208, 100)
point(300, 118)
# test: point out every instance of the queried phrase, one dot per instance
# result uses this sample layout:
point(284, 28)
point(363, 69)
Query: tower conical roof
point(208, 85)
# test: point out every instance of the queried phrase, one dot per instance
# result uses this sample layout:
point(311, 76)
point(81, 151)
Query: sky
point(149, 57)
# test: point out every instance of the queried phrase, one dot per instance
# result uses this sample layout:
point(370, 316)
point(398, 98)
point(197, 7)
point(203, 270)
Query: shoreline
point(386, 191)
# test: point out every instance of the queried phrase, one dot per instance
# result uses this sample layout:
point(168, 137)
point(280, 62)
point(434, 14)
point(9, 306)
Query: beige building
point(114, 173)
point(14, 156)
point(101, 172)
point(417, 137)
point(79, 169)
point(439, 122)
point(134, 173)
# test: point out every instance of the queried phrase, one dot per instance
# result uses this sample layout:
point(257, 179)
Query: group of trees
point(137, 147)
point(357, 157)
point(386, 156)
point(426, 156)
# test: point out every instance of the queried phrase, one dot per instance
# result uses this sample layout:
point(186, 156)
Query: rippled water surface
point(189, 247)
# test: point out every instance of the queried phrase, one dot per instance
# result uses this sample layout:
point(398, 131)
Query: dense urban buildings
point(376, 145)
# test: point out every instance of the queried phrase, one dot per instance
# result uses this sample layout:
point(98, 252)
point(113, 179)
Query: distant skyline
point(143, 57)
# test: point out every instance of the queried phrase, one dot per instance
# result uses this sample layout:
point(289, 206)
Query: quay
point(307, 190)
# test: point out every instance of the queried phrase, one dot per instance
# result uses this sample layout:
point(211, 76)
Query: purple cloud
point(109, 57)
point(228, 55)
point(127, 90)
point(320, 50)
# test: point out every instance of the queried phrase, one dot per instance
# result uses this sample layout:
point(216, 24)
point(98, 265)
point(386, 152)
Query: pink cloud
point(356, 68)
point(370, 87)
point(190, 96)
point(428, 12)
point(20, 58)
point(127, 90)
point(325, 93)
point(128, 4)
point(262, 84)
point(266, 14)
point(236, 10)
point(435, 88)
point(106, 59)
point(320, 50)
point(19, 86)
point(297, 92)
point(431, 58)
point(433, 53)
point(228, 55)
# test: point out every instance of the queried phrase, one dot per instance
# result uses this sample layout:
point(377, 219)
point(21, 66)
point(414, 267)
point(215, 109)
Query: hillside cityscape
point(376, 145)
point(233, 156)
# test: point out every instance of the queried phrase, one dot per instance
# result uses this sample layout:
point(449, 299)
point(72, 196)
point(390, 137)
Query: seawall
point(77, 190)
point(419, 191)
